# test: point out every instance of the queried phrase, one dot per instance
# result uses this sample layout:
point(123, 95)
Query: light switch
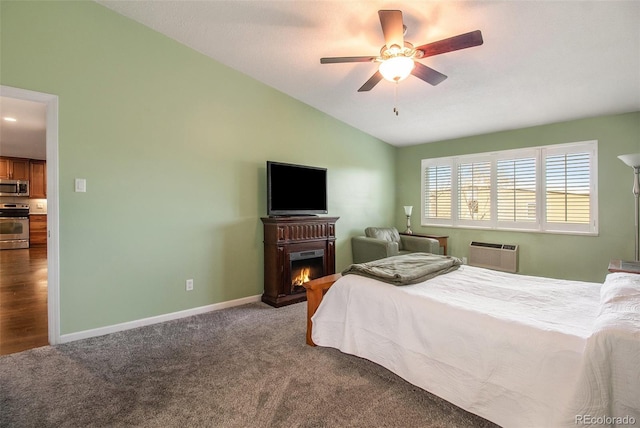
point(81, 185)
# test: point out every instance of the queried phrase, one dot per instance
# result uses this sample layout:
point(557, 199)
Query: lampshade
point(632, 159)
point(396, 68)
point(408, 209)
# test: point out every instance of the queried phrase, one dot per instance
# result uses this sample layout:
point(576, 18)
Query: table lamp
point(407, 212)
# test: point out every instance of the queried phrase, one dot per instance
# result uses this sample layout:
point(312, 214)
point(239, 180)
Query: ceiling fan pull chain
point(395, 99)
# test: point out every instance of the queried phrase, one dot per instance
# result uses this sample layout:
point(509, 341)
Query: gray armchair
point(381, 242)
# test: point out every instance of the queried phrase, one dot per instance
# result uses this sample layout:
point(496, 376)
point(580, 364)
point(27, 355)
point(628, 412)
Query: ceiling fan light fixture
point(398, 57)
point(397, 68)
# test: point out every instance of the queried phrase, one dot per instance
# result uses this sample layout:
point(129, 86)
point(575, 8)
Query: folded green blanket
point(405, 269)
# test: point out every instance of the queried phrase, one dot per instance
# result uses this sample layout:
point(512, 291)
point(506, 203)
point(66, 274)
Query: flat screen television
point(296, 189)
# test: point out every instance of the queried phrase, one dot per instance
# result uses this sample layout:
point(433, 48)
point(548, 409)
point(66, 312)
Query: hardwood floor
point(23, 299)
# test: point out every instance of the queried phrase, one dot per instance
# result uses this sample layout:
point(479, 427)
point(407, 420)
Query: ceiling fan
point(398, 58)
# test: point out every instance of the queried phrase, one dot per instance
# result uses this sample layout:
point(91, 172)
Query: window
point(545, 189)
point(437, 191)
point(568, 196)
point(474, 191)
point(516, 190)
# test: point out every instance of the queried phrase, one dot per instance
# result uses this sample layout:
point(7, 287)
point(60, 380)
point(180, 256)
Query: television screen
point(296, 189)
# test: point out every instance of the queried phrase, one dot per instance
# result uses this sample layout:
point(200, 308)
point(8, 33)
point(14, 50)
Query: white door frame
point(53, 243)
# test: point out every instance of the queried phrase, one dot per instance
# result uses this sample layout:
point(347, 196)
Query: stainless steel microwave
point(14, 187)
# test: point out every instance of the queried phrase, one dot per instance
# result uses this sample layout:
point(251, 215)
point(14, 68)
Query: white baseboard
point(85, 334)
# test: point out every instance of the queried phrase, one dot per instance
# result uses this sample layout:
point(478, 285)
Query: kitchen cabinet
point(5, 170)
point(38, 182)
point(14, 168)
point(38, 230)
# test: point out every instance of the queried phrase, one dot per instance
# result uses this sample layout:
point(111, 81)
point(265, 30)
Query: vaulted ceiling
point(541, 61)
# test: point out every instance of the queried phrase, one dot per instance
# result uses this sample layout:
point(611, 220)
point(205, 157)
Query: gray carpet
point(240, 367)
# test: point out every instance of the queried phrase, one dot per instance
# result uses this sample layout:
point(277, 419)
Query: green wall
point(544, 254)
point(173, 146)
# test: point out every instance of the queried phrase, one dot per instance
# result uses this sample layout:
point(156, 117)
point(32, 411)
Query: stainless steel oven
point(14, 226)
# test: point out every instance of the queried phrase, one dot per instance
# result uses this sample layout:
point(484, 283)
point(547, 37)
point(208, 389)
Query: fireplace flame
point(302, 277)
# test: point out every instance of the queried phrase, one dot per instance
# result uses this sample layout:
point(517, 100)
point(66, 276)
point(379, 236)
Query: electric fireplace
point(296, 250)
point(305, 266)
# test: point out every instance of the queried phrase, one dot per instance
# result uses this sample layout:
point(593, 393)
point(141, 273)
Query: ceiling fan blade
point(428, 74)
point(373, 81)
point(336, 60)
point(392, 27)
point(462, 41)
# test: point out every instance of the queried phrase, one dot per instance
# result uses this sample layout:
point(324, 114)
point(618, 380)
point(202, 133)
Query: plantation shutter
point(567, 190)
point(437, 192)
point(516, 190)
point(551, 188)
point(474, 191)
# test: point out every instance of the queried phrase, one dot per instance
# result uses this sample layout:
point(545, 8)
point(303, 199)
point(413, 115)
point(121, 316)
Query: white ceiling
point(541, 61)
point(26, 137)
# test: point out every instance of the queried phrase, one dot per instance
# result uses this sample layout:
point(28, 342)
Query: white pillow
point(620, 286)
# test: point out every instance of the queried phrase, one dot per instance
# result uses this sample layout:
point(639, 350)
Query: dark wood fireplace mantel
point(287, 236)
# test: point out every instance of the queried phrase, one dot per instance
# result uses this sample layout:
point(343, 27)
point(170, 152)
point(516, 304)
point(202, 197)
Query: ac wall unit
point(502, 257)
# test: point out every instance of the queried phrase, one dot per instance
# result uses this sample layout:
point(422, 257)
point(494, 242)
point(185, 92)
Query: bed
point(520, 351)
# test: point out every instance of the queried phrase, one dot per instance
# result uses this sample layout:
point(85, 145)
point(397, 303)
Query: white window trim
point(540, 225)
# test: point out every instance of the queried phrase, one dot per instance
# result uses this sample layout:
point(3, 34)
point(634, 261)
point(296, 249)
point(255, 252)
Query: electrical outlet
point(189, 285)
point(464, 260)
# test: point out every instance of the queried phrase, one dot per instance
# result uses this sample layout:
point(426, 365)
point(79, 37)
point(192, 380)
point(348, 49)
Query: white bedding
point(507, 347)
point(609, 376)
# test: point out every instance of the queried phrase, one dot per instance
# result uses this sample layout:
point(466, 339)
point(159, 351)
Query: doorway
point(32, 264)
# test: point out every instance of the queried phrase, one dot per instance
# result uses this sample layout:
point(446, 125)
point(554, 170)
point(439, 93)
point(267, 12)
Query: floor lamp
point(633, 160)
